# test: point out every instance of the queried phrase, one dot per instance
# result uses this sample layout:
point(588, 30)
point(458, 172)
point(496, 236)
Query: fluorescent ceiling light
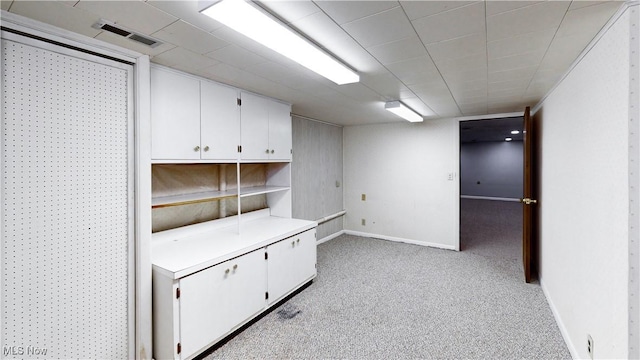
point(403, 111)
point(515, 132)
point(257, 25)
point(508, 139)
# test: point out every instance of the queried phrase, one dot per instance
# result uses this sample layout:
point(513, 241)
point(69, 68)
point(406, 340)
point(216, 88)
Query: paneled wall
point(316, 173)
point(584, 198)
point(408, 174)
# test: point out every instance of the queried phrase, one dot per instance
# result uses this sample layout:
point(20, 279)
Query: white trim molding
point(398, 239)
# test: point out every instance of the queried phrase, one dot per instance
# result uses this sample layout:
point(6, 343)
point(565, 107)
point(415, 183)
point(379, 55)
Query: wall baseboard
point(330, 237)
point(402, 240)
point(488, 198)
point(563, 329)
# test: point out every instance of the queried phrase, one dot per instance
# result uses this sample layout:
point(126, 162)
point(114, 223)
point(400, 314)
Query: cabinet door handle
point(226, 271)
point(298, 241)
point(235, 267)
point(266, 151)
point(206, 148)
point(272, 151)
point(293, 244)
point(197, 148)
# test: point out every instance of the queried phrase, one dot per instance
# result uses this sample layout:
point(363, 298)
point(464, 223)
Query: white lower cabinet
point(217, 299)
point(197, 302)
point(291, 263)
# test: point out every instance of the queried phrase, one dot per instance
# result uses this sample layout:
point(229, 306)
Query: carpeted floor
point(375, 299)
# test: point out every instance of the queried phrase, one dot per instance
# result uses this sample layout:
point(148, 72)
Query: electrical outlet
point(590, 346)
point(364, 197)
point(364, 222)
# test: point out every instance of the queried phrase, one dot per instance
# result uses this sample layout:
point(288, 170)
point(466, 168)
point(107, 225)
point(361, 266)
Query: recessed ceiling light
point(515, 132)
point(508, 139)
point(256, 24)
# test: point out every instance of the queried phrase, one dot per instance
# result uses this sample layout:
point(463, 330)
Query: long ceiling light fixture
point(403, 111)
point(256, 24)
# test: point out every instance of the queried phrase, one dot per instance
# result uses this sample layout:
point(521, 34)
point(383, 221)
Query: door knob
point(528, 201)
point(197, 148)
point(206, 148)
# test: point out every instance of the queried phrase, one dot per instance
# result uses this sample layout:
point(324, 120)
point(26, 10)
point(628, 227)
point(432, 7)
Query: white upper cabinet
point(220, 122)
point(175, 116)
point(254, 120)
point(266, 129)
point(279, 131)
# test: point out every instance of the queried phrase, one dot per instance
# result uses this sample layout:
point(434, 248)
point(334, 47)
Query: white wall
point(403, 170)
point(584, 198)
point(496, 165)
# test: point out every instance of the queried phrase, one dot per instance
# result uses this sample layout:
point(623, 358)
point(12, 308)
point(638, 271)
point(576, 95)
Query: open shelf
point(184, 199)
point(257, 190)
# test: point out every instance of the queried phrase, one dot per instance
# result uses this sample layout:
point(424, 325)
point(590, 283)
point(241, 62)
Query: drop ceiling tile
point(58, 14)
point(5, 4)
point(465, 75)
point(458, 87)
point(135, 15)
point(587, 20)
point(584, 3)
point(190, 37)
point(269, 70)
point(515, 74)
point(395, 51)
point(133, 45)
point(359, 92)
point(509, 85)
point(343, 12)
point(333, 38)
point(381, 28)
point(419, 9)
point(384, 84)
point(452, 24)
point(497, 7)
point(457, 48)
point(236, 56)
point(520, 44)
point(462, 93)
point(414, 71)
point(183, 59)
point(563, 51)
point(290, 11)
point(470, 61)
point(516, 61)
point(187, 10)
point(543, 16)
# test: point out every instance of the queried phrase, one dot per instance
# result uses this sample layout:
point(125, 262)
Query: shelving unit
point(226, 247)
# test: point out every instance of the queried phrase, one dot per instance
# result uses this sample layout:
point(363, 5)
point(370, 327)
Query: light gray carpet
point(375, 299)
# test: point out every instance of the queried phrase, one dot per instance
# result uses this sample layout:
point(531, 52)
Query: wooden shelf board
point(184, 199)
point(257, 190)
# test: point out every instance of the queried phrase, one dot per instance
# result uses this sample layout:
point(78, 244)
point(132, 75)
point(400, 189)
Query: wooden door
point(527, 202)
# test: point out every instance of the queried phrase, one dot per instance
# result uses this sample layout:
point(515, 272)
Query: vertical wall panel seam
point(634, 183)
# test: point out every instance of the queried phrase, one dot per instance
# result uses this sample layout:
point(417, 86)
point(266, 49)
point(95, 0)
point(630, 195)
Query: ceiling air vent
point(119, 30)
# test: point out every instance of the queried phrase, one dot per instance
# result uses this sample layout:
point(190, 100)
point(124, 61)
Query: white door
point(279, 131)
point(216, 300)
point(254, 127)
point(67, 252)
point(220, 122)
point(175, 116)
point(291, 262)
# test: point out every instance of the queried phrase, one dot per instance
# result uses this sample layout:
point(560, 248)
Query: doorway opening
point(491, 185)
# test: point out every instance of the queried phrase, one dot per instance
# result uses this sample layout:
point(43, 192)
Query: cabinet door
point(254, 114)
point(216, 300)
point(279, 131)
point(220, 122)
point(175, 116)
point(291, 262)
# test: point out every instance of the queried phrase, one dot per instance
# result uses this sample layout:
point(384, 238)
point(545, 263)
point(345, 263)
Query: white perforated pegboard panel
point(66, 205)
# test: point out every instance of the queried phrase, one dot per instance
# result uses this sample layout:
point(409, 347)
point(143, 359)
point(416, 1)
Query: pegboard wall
point(66, 224)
